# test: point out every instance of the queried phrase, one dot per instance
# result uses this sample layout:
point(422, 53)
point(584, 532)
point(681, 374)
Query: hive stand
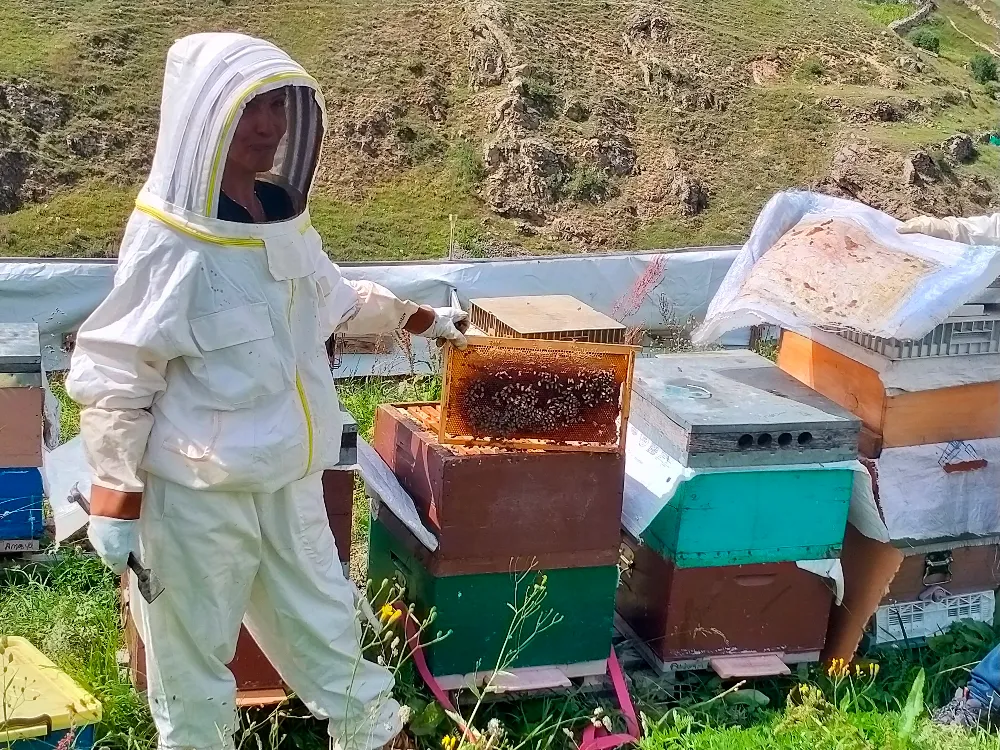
point(736, 408)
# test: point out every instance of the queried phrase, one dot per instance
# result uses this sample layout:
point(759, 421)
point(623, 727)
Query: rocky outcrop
point(905, 25)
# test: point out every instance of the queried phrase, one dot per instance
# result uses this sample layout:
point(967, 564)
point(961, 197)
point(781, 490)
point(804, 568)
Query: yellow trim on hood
point(244, 96)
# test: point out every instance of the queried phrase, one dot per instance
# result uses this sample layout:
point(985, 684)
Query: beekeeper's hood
point(209, 80)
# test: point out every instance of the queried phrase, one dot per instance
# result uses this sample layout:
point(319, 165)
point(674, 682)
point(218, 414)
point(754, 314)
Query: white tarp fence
point(58, 295)
point(813, 261)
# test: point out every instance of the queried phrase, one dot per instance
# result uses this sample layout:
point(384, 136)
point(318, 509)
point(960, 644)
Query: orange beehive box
point(964, 412)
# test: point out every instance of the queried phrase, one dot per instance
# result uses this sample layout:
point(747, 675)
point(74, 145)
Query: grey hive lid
point(20, 350)
point(706, 392)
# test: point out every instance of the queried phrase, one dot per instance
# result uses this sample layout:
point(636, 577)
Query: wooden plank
point(842, 380)
point(260, 698)
point(749, 665)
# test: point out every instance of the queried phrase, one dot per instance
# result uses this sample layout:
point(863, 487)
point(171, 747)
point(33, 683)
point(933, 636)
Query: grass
point(886, 12)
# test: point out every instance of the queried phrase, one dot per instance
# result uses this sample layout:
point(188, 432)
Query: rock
point(92, 138)
point(41, 110)
point(960, 148)
point(920, 167)
point(490, 48)
point(576, 110)
point(910, 65)
point(689, 193)
point(614, 154)
point(514, 113)
point(432, 98)
point(671, 160)
point(15, 167)
point(525, 177)
point(647, 27)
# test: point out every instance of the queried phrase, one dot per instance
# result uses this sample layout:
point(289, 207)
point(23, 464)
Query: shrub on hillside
point(926, 39)
point(984, 68)
point(812, 67)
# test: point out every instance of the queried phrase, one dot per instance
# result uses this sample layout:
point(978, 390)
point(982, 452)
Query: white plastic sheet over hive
point(813, 261)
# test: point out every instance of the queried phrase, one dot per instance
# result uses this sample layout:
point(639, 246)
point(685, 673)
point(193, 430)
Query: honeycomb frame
point(574, 356)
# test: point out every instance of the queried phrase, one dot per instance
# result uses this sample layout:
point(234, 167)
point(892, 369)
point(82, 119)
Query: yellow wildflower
point(386, 612)
point(449, 743)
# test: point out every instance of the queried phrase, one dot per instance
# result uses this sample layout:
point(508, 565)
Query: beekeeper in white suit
point(209, 409)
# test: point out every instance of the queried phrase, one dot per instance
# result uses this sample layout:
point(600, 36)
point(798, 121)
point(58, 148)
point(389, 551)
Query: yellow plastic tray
point(38, 697)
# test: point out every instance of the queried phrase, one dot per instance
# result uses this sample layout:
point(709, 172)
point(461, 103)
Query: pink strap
point(593, 737)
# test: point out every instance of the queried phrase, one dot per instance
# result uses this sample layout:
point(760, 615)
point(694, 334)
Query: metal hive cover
point(717, 392)
point(20, 350)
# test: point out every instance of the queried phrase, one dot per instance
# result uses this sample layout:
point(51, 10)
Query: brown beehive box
point(554, 317)
point(21, 420)
point(960, 570)
point(338, 494)
point(488, 506)
point(964, 412)
point(687, 614)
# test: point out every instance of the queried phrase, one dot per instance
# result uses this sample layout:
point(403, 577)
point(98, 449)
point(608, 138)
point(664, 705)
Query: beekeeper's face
point(259, 132)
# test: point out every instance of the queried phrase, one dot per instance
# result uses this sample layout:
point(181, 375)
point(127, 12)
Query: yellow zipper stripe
point(245, 95)
point(306, 411)
point(175, 223)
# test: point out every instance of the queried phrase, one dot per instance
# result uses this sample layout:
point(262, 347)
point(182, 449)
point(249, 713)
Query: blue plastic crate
point(21, 504)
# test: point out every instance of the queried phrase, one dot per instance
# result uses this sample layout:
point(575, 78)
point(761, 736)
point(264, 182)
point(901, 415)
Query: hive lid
point(709, 392)
point(37, 688)
point(554, 316)
point(20, 350)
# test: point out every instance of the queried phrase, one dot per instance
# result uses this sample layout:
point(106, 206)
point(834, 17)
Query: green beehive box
point(746, 517)
point(476, 609)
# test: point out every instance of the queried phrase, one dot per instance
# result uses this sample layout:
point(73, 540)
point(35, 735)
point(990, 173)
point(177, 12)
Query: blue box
point(21, 495)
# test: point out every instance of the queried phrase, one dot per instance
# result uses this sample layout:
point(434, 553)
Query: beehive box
point(20, 505)
point(487, 506)
point(536, 394)
point(475, 609)
point(733, 517)
point(960, 570)
point(42, 705)
point(554, 317)
point(965, 412)
point(735, 408)
point(686, 614)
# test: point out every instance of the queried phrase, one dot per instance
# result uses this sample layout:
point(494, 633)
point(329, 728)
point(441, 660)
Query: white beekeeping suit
point(975, 230)
point(205, 385)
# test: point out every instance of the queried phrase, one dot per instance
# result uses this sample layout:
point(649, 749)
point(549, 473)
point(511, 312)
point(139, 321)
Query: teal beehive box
point(738, 516)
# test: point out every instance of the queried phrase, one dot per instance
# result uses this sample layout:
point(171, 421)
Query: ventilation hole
point(764, 440)
point(805, 438)
point(785, 439)
point(745, 441)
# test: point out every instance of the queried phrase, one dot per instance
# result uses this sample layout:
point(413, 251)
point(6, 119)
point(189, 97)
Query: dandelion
point(494, 728)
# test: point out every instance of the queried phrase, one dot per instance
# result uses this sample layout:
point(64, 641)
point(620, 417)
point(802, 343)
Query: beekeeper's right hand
point(114, 526)
point(975, 230)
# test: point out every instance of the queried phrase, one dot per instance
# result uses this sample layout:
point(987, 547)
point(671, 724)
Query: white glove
point(113, 539)
point(446, 326)
point(976, 230)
